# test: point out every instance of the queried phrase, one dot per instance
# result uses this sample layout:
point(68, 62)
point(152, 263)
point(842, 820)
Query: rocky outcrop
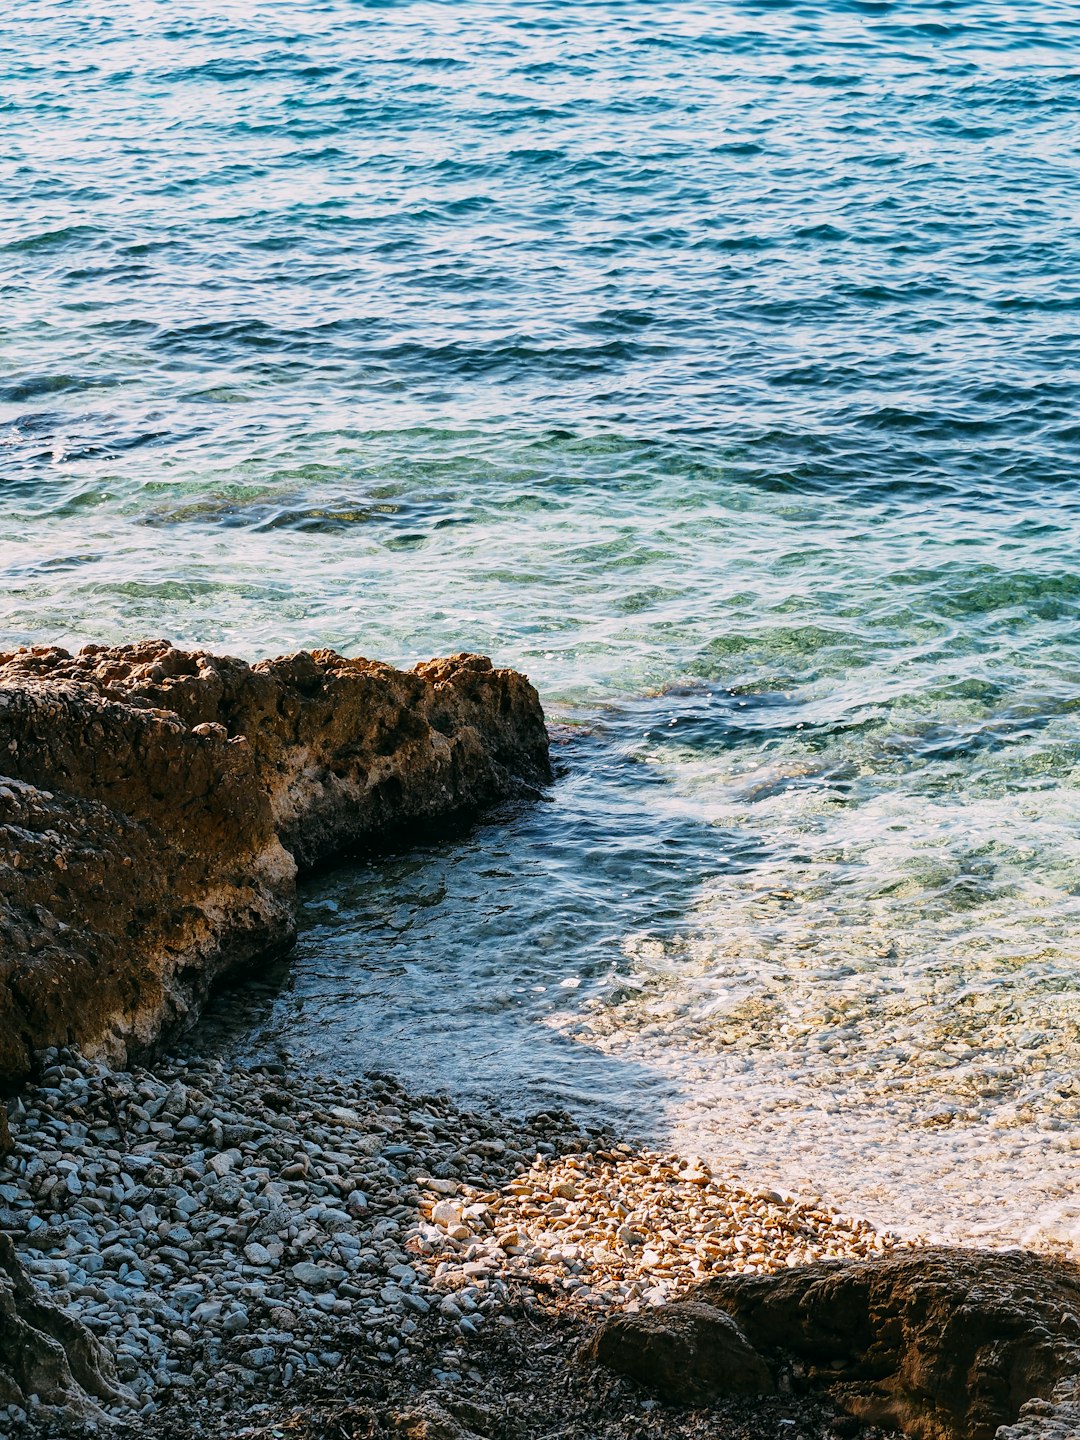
point(155, 805)
point(119, 912)
point(48, 1353)
point(348, 752)
point(941, 1344)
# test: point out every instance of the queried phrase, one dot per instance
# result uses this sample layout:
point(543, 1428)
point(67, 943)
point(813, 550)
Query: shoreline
point(189, 1248)
point(241, 1236)
point(259, 1254)
point(208, 785)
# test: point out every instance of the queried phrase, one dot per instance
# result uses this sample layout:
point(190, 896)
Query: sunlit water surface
point(717, 365)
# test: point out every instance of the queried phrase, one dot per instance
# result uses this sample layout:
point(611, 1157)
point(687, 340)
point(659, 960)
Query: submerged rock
point(944, 1344)
point(158, 803)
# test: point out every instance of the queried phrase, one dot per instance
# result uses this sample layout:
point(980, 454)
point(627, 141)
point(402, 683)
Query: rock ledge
point(156, 805)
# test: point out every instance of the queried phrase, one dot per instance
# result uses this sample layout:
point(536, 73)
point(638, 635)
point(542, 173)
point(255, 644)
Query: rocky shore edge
point(219, 1252)
point(157, 804)
point(188, 1250)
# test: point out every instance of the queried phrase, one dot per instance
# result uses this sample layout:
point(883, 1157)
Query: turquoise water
point(716, 365)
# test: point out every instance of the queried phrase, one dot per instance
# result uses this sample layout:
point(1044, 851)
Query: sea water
point(716, 364)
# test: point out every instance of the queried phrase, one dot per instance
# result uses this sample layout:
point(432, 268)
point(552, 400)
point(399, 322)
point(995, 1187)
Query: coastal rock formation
point(114, 924)
point(155, 805)
point(942, 1344)
point(689, 1351)
point(348, 752)
point(46, 1352)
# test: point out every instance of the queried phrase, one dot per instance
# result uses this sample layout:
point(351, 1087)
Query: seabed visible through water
point(717, 366)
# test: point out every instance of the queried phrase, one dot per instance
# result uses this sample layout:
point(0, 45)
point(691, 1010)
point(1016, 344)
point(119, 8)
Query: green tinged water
point(716, 366)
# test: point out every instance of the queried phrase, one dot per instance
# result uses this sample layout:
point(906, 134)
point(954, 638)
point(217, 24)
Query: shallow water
point(718, 367)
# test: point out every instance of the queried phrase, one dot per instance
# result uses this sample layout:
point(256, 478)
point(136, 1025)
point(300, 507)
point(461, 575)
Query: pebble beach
point(234, 1233)
point(392, 1047)
point(715, 374)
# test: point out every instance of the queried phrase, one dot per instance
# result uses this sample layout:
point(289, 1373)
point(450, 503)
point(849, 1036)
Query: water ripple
point(718, 366)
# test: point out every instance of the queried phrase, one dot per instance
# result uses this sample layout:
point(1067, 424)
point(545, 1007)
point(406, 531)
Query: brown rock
point(943, 1344)
point(689, 1351)
point(349, 752)
point(127, 935)
point(45, 1352)
point(160, 801)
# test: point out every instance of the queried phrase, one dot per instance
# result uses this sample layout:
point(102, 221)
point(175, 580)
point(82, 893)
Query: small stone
point(446, 1213)
point(236, 1322)
point(440, 1187)
point(318, 1277)
point(342, 1115)
point(259, 1357)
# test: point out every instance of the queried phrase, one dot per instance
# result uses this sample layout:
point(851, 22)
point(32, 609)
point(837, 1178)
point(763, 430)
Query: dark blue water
point(717, 365)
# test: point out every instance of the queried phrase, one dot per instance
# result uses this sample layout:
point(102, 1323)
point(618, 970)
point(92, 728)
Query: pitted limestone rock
point(160, 802)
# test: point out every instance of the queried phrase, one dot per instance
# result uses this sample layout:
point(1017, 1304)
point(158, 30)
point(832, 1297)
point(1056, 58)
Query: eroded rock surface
point(155, 805)
point(944, 1344)
point(347, 751)
point(116, 921)
point(46, 1352)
